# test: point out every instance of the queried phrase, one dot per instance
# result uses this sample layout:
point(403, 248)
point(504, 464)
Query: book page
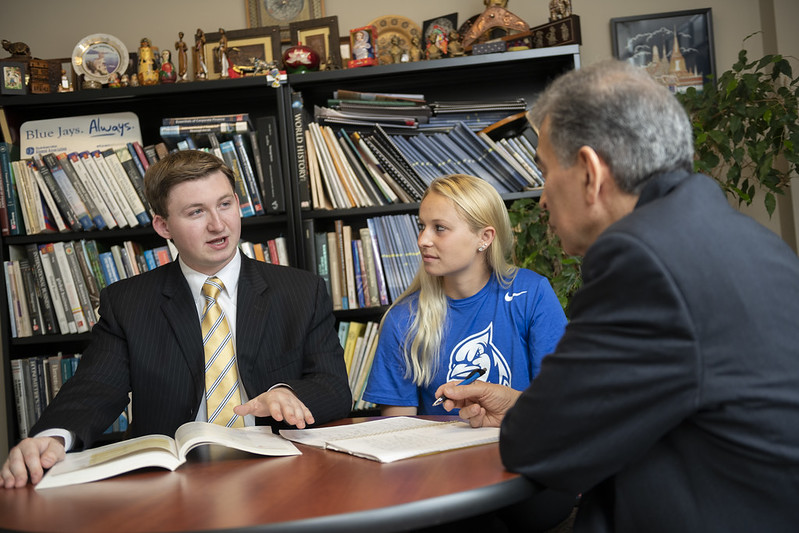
point(319, 437)
point(255, 439)
point(396, 445)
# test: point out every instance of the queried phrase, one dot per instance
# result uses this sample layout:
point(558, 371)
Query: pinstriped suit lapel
point(252, 321)
point(181, 314)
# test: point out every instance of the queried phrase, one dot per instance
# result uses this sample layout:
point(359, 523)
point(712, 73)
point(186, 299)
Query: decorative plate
point(390, 26)
point(98, 56)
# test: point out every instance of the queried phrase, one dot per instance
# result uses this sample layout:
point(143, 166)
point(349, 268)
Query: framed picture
point(13, 77)
point(62, 76)
point(363, 47)
point(435, 33)
point(321, 35)
point(282, 13)
point(244, 46)
point(676, 48)
point(344, 50)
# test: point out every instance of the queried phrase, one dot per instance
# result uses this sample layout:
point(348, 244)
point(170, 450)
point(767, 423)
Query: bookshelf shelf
point(491, 76)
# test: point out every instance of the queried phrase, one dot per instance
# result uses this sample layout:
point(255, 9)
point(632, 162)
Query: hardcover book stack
point(368, 162)
point(250, 150)
point(37, 380)
point(359, 341)
point(366, 267)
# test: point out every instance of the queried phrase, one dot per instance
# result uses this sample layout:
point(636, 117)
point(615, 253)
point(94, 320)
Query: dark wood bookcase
point(491, 76)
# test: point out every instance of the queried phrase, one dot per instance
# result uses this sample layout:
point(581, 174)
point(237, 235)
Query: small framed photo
point(13, 77)
point(62, 76)
point(363, 47)
point(436, 33)
point(282, 13)
point(321, 35)
point(344, 50)
point(245, 47)
point(675, 47)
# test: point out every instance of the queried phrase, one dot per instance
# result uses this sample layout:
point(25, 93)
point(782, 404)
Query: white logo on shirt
point(509, 296)
point(475, 351)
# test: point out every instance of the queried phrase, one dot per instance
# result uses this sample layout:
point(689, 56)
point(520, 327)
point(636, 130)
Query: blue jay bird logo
point(478, 351)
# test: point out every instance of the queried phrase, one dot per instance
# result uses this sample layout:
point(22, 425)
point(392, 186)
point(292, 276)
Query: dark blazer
point(148, 341)
point(672, 400)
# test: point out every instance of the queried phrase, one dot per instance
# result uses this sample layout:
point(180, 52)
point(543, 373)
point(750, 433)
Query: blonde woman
point(467, 309)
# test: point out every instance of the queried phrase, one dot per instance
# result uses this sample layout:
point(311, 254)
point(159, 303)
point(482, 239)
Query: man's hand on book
point(281, 404)
point(32, 455)
point(481, 404)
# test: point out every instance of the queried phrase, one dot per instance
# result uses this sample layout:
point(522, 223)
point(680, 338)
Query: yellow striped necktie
point(221, 376)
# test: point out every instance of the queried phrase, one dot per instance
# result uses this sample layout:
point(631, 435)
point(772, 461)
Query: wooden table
point(320, 490)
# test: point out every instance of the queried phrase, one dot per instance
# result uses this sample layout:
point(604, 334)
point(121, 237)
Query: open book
point(161, 451)
point(391, 439)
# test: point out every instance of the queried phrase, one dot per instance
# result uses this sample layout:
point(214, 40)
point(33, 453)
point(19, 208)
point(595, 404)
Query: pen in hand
point(471, 378)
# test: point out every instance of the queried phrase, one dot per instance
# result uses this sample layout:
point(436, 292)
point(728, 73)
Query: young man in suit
point(148, 340)
point(672, 400)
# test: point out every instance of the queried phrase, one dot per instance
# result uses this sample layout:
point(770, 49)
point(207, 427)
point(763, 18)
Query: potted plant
point(746, 127)
point(539, 249)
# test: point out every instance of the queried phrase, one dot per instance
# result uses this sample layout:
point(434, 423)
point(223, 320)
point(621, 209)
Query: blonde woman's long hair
point(480, 205)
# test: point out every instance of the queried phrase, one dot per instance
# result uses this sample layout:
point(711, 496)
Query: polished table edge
point(402, 517)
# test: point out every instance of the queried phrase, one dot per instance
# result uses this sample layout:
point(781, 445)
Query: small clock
point(281, 12)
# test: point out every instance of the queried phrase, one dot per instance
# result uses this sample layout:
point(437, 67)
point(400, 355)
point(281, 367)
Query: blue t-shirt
point(508, 331)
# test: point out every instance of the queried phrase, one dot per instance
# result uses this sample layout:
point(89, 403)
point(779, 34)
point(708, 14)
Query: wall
point(52, 28)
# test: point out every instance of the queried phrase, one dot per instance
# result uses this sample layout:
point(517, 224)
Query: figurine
point(65, 86)
point(166, 74)
point(114, 81)
point(200, 68)
point(416, 50)
point(147, 73)
point(18, 50)
point(124, 81)
point(222, 51)
point(455, 49)
point(395, 50)
point(181, 48)
point(559, 9)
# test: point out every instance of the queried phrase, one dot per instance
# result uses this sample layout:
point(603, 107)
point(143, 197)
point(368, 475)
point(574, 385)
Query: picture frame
point(321, 35)
point(12, 77)
point(344, 50)
point(262, 43)
point(363, 47)
point(436, 32)
point(56, 66)
point(647, 41)
point(282, 13)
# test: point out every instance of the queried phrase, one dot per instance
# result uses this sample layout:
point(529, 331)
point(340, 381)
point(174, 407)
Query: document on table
point(394, 438)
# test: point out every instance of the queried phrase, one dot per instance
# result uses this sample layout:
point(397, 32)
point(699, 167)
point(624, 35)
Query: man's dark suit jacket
point(672, 400)
point(148, 341)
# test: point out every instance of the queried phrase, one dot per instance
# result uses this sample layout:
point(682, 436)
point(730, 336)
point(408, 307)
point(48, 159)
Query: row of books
point(369, 266)
point(54, 288)
point(250, 150)
point(347, 169)
point(36, 381)
point(359, 341)
point(77, 191)
point(272, 251)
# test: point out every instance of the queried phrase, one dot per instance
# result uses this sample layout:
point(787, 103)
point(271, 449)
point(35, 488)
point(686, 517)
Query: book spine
point(137, 151)
point(105, 190)
point(67, 189)
point(54, 367)
point(299, 123)
point(4, 223)
point(49, 320)
point(31, 295)
point(206, 119)
point(361, 288)
point(10, 299)
point(232, 161)
point(80, 284)
point(65, 325)
point(379, 272)
point(19, 308)
point(125, 185)
point(32, 221)
point(20, 393)
point(83, 176)
point(133, 185)
point(93, 258)
point(12, 200)
point(247, 170)
point(88, 277)
point(109, 267)
point(369, 266)
point(335, 269)
point(70, 218)
point(71, 288)
point(322, 259)
point(272, 185)
point(80, 188)
point(109, 178)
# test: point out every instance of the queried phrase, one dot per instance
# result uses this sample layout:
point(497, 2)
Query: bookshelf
point(498, 76)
